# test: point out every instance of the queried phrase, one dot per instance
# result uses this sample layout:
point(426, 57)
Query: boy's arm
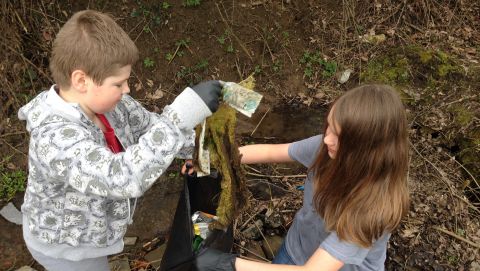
point(141, 120)
point(265, 153)
point(67, 151)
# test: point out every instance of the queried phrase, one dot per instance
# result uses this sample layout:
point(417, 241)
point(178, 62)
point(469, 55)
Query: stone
point(254, 251)
point(154, 257)
point(119, 264)
point(271, 244)
point(253, 231)
point(130, 241)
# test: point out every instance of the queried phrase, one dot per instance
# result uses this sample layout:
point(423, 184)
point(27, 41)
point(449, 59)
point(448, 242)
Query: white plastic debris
point(345, 76)
point(11, 213)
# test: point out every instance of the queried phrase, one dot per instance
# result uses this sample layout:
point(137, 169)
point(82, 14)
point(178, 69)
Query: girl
point(355, 192)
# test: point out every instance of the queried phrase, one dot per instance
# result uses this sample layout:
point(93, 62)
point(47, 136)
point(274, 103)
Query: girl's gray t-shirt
point(308, 233)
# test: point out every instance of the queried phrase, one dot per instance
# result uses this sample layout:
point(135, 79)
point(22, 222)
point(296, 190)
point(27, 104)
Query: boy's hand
point(210, 92)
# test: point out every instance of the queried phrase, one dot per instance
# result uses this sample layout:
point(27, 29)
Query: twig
point(265, 42)
point(442, 174)
point(174, 54)
point(264, 238)
point(253, 259)
point(12, 134)
point(252, 168)
point(28, 61)
point(251, 217)
point(456, 236)
point(21, 22)
point(258, 124)
point(233, 34)
point(255, 254)
point(15, 149)
point(277, 176)
point(468, 172)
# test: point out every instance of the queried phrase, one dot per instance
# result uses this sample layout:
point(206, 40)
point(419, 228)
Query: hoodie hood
point(46, 105)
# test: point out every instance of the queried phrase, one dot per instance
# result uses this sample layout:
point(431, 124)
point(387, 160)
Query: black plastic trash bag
point(200, 194)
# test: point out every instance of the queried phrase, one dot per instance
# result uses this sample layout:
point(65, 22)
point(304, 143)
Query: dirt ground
point(299, 52)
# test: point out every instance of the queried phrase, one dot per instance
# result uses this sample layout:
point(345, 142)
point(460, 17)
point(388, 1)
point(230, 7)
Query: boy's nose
point(126, 90)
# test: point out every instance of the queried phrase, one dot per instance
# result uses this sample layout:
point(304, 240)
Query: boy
point(93, 148)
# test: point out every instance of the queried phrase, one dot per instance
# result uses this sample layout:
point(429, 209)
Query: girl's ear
point(79, 80)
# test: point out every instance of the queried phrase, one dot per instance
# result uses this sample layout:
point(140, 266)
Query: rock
point(120, 264)
point(274, 221)
point(253, 232)
point(271, 244)
point(262, 190)
point(11, 213)
point(130, 241)
point(475, 266)
point(254, 251)
point(154, 257)
point(25, 268)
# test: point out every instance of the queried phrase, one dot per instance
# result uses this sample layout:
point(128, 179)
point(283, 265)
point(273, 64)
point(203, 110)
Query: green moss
point(224, 156)
point(462, 115)
point(444, 58)
point(425, 56)
point(389, 70)
point(412, 64)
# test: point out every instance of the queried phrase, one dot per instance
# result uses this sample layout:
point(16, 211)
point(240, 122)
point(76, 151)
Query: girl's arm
point(265, 153)
point(258, 153)
point(321, 260)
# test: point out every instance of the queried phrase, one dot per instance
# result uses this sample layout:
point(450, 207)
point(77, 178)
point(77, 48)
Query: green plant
point(182, 42)
point(190, 73)
point(169, 57)
point(223, 40)
point(166, 5)
point(191, 3)
point(314, 62)
point(151, 13)
point(148, 62)
point(11, 182)
point(277, 66)
point(257, 70)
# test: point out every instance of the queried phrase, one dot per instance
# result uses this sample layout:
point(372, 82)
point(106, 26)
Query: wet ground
point(155, 210)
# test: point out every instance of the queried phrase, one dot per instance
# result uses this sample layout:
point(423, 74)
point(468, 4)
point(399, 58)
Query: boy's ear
point(79, 80)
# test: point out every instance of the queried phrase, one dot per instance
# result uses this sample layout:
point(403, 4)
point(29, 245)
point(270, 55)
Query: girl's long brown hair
point(362, 193)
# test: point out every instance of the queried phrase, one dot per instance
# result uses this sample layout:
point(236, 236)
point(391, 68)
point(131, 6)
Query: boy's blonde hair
point(93, 42)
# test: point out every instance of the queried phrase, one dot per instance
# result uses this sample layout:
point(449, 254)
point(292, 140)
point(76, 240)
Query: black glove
point(210, 92)
point(210, 259)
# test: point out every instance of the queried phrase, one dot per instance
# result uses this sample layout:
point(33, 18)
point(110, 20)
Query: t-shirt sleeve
point(304, 151)
point(346, 252)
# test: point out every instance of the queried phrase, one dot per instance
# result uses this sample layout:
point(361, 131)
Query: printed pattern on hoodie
point(78, 190)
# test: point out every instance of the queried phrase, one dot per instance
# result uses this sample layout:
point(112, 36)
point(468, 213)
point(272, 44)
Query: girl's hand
point(187, 167)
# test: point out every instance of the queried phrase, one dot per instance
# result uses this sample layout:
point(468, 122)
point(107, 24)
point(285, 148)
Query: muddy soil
point(297, 51)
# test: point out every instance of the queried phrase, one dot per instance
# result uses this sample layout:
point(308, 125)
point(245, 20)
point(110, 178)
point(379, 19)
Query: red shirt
point(112, 140)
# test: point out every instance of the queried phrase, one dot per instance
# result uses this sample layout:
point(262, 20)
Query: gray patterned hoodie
point(77, 201)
